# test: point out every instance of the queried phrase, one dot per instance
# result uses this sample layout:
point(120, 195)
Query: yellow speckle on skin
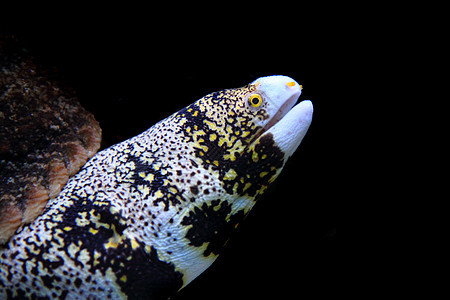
point(100, 203)
point(123, 278)
point(145, 190)
point(229, 141)
point(198, 133)
point(263, 188)
point(93, 215)
point(229, 129)
point(149, 177)
point(230, 175)
point(255, 157)
point(235, 187)
point(82, 220)
point(57, 218)
point(198, 145)
point(157, 166)
point(67, 228)
point(263, 174)
point(93, 231)
point(231, 157)
point(134, 244)
point(96, 257)
point(159, 194)
point(210, 124)
point(112, 243)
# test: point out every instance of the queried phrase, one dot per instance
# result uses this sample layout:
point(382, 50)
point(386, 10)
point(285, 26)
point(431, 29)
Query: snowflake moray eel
point(144, 217)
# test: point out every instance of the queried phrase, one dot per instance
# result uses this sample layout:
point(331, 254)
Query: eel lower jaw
point(282, 111)
point(289, 129)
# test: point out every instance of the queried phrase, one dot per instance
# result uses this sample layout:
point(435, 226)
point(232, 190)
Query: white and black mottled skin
point(144, 217)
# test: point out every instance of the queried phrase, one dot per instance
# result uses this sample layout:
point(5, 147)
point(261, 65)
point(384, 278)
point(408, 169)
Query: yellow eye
point(255, 100)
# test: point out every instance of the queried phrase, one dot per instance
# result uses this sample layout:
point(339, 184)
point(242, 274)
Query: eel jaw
point(288, 132)
point(285, 107)
point(289, 124)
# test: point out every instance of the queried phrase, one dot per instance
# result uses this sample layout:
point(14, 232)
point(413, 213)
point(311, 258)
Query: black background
point(129, 81)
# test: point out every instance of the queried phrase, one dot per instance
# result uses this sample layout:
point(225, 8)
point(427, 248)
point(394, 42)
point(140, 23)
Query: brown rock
point(45, 136)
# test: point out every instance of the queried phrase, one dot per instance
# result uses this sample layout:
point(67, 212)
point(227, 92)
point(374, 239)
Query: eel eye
point(255, 100)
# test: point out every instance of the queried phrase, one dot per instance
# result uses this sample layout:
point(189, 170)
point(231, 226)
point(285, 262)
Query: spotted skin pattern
point(145, 217)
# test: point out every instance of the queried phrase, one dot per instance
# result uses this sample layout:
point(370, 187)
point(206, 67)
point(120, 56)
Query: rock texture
point(45, 136)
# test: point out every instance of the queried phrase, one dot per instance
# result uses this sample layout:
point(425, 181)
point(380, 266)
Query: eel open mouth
point(290, 123)
point(289, 131)
point(282, 111)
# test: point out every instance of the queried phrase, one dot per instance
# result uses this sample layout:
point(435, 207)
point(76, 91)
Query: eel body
point(144, 217)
